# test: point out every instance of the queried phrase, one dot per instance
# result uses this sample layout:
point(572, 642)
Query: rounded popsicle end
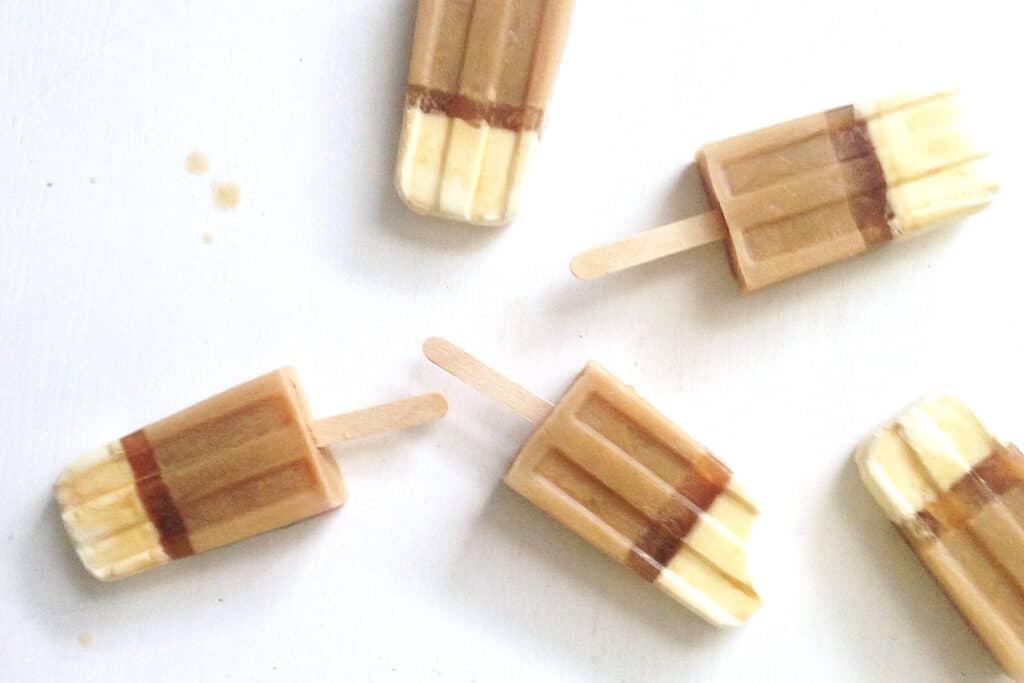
point(435, 404)
point(436, 348)
point(582, 268)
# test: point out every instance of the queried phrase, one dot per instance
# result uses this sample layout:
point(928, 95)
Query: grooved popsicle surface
point(238, 464)
point(803, 194)
point(615, 471)
point(480, 78)
point(957, 496)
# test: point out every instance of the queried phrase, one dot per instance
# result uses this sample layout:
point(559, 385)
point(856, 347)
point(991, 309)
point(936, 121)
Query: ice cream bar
point(957, 496)
point(613, 469)
point(817, 190)
point(481, 75)
point(246, 461)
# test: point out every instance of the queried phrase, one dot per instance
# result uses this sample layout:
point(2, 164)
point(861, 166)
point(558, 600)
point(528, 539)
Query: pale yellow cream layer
point(909, 463)
point(709, 573)
point(931, 160)
point(452, 169)
point(104, 515)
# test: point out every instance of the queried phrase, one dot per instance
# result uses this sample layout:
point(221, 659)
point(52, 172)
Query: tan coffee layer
point(500, 47)
point(442, 27)
point(490, 51)
point(244, 462)
point(797, 196)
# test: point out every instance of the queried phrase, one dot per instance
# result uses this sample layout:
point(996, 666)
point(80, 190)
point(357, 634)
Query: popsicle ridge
point(957, 496)
point(822, 188)
point(104, 513)
point(479, 81)
point(608, 466)
point(235, 465)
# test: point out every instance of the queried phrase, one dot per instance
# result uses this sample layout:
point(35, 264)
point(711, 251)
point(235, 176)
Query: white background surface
point(113, 313)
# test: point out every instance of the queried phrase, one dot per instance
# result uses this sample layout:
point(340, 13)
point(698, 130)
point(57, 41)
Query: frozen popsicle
point(243, 462)
point(957, 496)
point(481, 76)
point(804, 194)
point(613, 469)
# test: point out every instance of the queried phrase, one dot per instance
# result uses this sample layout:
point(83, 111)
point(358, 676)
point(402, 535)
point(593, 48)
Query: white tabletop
point(114, 312)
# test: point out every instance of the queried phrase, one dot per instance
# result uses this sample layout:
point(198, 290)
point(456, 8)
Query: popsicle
point(804, 194)
point(243, 462)
point(957, 496)
point(481, 75)
point(613, 469)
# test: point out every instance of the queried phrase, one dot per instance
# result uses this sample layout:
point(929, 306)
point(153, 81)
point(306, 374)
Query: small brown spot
point(207, 238)
point(196, 163)
point(226, 195)
point(85, 639)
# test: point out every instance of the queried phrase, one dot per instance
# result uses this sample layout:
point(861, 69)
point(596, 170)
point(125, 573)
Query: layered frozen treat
point(243, 462)
point(481, 75)
point(957, 496)
point(609, 466)
point(820, 189)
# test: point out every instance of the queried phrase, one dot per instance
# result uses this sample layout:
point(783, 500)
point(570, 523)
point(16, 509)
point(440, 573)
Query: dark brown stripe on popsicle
point(494, 114)
point(697, 492)
point(998, 473)
point(852, 143)
point(155, 496)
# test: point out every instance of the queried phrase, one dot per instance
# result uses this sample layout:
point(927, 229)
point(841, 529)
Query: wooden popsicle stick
point(488, 382)
point(388, 417)
point(673, 238)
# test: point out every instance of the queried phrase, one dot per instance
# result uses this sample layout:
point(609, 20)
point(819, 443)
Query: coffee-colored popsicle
point(957, 496)
point(246, 461)
point(810, 192)
point(481, 75)
point(613, 469)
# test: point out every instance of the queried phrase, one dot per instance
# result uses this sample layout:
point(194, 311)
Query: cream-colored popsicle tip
point(711, 572)
point(935, 151)
point(454, 170)
point(104, 516)
point(954, 491)
point(922, 453)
